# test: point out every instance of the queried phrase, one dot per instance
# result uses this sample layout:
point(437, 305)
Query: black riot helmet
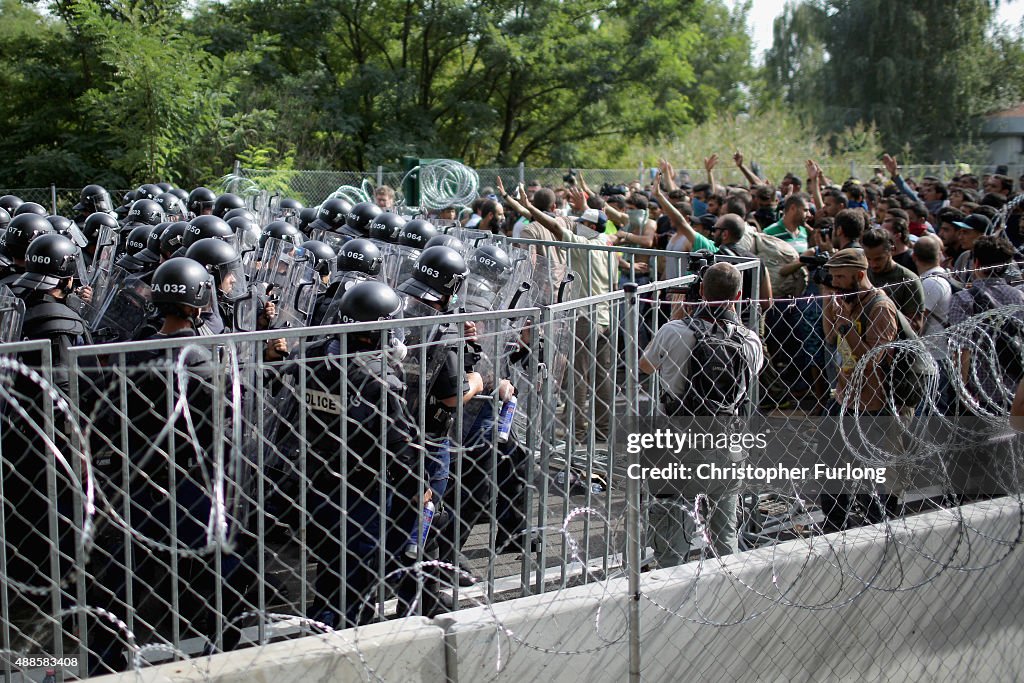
point(136, 254)
point(183, 282)
point(65, 226)
point(164, 187)
point(369, 301)
point(92, 199)
point(21, 231)
point(491, 262)
point(226, 202)
point(145, 212)
point(60, 224)
point(50, 258)
point(31, 207)
point(331, 215)
point(171, 238)
point(323, 255)
point(128, 200)
point(244, 223)
point(386, 227)
point(241, 212)
point(222, 261)
point(147, 191)
point(359, 255)
point(171, 204)
point(361, 215)
point(289, 207)
point(280, 230)
point(306, 218)
point(205, 226)
point(201, 200)
point(10, 203)
point(97, 221)
point(151, 254)
point(443, 240)
point(436, 276)
point(180, 194)
point(5, 218)
point(416, 233)
point(138, 238)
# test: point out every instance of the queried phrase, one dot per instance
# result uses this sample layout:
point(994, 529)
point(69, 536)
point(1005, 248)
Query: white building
point(1005, 133)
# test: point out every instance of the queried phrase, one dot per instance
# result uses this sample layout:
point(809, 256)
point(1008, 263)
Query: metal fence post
point(632, 485)
point(522, 173)
point(380, 176)
point(53, 198)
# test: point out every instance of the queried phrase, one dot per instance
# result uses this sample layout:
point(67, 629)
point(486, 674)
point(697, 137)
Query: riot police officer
point(344, 428)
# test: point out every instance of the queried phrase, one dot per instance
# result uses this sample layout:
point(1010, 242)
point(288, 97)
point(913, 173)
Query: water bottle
point(508, 411)
point(419, 534)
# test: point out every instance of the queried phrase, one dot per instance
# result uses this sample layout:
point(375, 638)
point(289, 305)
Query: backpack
point(911, 371)
point(954, 287)
point(775, 253)
point(719, 375)
point(1008, 338)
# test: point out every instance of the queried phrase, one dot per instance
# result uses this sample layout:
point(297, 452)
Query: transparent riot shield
point(550, 280)
point(470, 237)
point(12, 313)
point(423, 349)
point(124, 311)
point(345, 281)
point(444, 224)
point(398, 263)
point(103, 261)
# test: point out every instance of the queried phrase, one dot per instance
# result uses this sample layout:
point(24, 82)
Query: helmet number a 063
point(427, 270)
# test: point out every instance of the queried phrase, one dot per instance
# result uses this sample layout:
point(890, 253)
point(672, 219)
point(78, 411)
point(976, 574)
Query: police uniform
point(353, 470)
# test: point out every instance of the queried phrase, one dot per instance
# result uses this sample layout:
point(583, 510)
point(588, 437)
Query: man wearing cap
point(859, 319)
point(969, 230)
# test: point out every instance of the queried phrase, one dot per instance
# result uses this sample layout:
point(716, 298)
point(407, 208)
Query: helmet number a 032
point(170, 288)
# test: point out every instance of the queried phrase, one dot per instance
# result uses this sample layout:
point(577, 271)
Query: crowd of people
point(844, 269)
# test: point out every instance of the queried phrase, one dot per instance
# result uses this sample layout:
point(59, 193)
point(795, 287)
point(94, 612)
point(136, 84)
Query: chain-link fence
point(169, 498)
point(312, 187)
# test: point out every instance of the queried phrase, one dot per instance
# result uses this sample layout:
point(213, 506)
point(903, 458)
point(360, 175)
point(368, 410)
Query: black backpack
point(1008, 338)
point(719, 373)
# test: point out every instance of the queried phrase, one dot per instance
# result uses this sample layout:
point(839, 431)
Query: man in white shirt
point(935, 280)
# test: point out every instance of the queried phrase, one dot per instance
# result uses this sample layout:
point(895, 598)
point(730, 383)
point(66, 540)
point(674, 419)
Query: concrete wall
point(938, 598)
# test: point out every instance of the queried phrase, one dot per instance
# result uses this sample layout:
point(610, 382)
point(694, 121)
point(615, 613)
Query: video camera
point(819, 274)
point(607, 190)
point(570, 177)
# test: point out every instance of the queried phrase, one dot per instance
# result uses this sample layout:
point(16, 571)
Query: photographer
point(706, 364)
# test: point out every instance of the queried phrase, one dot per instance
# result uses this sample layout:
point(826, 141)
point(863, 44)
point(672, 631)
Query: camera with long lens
point(698, 264)
point(820, 275)
point(570, 177)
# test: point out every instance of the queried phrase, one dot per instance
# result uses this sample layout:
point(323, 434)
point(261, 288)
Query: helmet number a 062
point(355, 256)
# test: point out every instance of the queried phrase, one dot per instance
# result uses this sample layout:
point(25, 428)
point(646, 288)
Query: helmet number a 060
point(35, 258)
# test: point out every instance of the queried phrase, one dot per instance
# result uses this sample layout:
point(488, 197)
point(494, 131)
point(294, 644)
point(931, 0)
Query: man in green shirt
point(791, 227)
point(901, 284)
